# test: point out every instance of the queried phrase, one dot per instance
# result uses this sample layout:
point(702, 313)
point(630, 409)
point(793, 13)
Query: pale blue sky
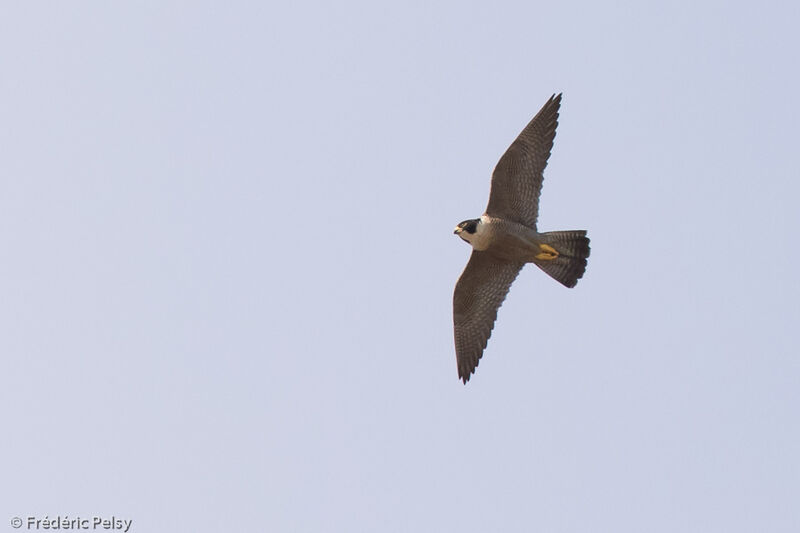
point(228, 263)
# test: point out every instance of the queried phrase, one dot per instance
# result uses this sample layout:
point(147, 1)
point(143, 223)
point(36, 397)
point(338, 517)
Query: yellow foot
point(546, 253)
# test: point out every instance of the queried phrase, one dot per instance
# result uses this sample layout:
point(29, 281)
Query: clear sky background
point(227, 265)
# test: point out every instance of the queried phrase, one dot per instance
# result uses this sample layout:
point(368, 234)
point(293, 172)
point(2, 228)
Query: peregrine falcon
point(505, 238)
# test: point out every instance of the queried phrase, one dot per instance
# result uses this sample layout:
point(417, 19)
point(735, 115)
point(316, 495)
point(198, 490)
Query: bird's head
point(466, 230)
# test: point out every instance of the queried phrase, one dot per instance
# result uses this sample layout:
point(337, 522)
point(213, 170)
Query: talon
point(547, 253)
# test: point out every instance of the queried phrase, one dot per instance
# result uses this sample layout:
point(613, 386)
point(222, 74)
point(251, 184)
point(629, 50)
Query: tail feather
point(573, 250)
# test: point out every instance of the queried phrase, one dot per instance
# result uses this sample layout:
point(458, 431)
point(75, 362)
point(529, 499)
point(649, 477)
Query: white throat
point(481, 239)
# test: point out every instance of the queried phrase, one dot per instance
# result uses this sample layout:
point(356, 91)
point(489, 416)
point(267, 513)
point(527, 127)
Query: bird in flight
point(505, 238)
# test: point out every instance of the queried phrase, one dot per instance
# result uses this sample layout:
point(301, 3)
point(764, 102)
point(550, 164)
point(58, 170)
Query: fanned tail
point(565, 261)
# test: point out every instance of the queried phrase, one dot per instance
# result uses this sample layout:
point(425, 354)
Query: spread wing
point(479, 293)
point(517, 178)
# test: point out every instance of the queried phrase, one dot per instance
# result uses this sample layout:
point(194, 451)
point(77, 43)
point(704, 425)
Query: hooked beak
point(457, 231)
